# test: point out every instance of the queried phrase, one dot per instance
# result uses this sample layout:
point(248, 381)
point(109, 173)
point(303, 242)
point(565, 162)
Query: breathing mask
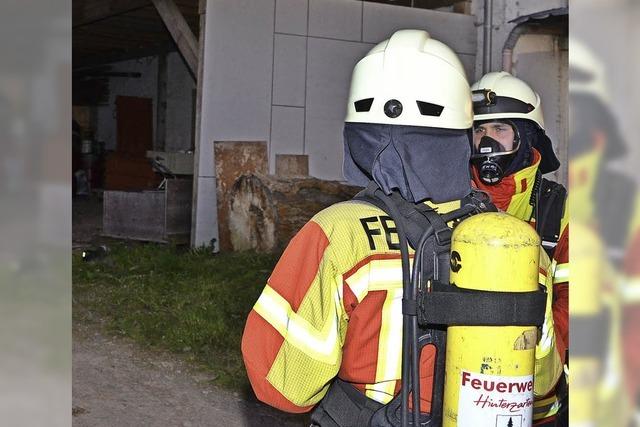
point(490, 157)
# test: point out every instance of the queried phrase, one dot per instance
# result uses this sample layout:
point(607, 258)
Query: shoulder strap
point(418, 217)
point(551, 204)
point(413, 216)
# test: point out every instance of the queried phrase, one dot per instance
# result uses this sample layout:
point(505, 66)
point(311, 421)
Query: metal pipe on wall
point(507, 60)
point(487, 36)
point(510, 44)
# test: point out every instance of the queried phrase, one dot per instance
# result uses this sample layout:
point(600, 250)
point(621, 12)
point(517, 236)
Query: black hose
point(415, 364)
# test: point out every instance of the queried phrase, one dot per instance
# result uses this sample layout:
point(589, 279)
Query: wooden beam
point(89, 11)
point(433, 4)
point(202, 12)
point(180, 32)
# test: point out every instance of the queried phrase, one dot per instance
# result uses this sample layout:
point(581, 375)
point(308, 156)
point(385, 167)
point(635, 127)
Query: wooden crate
point(154, 215)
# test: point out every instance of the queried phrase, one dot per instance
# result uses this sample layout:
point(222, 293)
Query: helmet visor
point(486, 101)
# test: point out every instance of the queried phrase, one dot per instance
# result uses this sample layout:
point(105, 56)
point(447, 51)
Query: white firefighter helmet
point(410, 79)
point(499, 95)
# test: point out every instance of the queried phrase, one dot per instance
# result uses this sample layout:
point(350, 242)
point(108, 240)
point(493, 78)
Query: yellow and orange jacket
point(333, 307)
point(512, 195)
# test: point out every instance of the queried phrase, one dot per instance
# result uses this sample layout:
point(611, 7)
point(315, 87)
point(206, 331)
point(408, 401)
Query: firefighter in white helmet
point(332, 309)
point(511, 153)
point(328, 330)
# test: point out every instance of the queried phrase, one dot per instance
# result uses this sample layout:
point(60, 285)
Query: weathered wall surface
point(234, 159)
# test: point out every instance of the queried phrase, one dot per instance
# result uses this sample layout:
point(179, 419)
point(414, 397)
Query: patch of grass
point(189, 302)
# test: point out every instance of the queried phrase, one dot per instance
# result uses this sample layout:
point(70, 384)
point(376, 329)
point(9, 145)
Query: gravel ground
point(116, 383)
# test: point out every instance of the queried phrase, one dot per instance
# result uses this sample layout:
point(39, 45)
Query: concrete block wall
point(316, 45)
point(279, 71)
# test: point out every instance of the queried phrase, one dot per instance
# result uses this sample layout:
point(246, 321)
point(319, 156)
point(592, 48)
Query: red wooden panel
point(134, 125)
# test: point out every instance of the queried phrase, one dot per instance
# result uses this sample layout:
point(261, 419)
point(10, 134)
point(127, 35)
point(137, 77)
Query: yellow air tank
point(489, 369)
